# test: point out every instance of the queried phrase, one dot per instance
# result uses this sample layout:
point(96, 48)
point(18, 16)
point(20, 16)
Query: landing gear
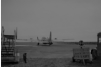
point(38, 44)
point(73, 60)
point(50, 43)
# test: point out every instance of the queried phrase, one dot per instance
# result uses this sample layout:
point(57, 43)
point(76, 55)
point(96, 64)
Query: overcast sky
point(77, 19)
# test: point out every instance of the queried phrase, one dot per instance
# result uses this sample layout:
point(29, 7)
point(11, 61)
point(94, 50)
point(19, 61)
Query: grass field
point(56, 55)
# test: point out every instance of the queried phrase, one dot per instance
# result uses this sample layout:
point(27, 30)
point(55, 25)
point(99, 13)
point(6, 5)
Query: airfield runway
point(56, 55)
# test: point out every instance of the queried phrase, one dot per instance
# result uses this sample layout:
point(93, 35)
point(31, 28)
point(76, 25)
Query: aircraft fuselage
point(44, 43)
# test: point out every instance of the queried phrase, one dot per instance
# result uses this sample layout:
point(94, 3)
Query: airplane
point(45, 41)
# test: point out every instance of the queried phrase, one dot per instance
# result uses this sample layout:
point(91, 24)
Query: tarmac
point(56, 55)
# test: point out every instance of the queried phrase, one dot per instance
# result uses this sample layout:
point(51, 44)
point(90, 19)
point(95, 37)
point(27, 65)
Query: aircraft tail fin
point(50, 37)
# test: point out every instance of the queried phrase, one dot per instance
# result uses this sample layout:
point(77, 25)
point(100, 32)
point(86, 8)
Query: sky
point(66, 19)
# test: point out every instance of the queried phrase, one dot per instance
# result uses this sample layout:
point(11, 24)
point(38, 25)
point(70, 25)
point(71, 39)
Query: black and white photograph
point(50, 33)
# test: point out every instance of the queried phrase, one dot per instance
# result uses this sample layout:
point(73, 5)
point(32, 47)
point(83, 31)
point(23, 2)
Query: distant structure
point(43, 38)
point(31, 39)
point(55, 38)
